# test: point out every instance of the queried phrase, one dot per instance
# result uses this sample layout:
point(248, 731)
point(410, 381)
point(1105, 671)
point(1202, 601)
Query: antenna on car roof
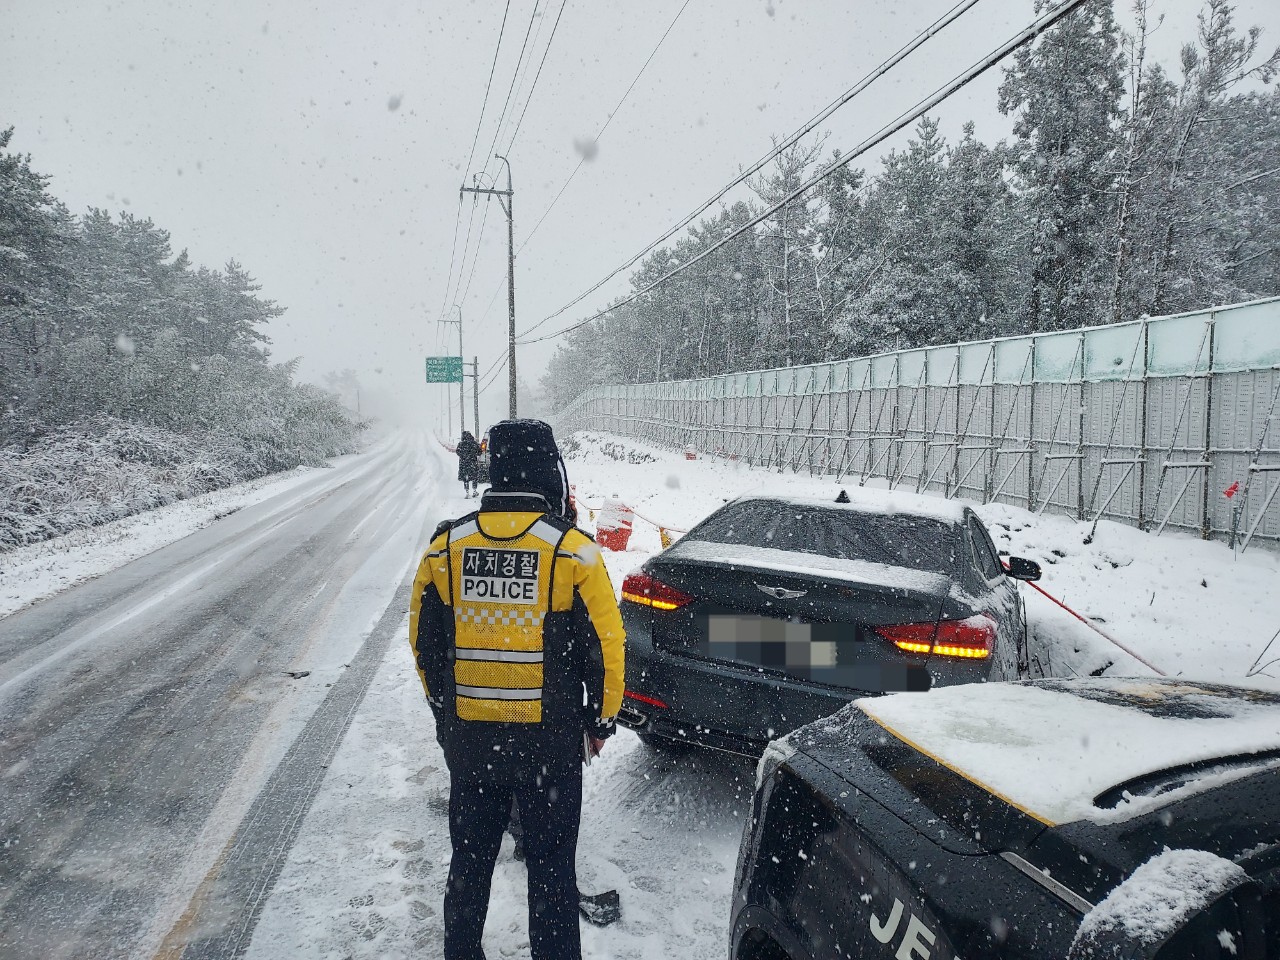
point(844, 497)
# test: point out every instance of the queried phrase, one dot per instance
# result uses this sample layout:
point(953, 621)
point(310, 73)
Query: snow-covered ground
point(365, 877)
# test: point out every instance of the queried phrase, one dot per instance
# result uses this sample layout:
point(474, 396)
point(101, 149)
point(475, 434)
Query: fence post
point(925, 432)
point(1206, 524)
point(831, 417)
point(845, 464)
point(988, 483)
point(955, 450)
point(1084, 360)
point(896, 438)
point(1142, 441)
point(760, 429)
point(1031, 433)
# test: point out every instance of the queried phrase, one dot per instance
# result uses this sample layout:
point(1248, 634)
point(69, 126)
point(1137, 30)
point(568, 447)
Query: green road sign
point(444, 369)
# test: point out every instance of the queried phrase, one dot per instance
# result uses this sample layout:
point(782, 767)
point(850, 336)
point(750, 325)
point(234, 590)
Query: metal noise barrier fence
point(1161, 422)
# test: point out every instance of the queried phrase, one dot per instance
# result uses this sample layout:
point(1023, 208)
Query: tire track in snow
point(219, 922)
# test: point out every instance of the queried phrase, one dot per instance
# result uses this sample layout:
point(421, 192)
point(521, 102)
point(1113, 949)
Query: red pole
point(1096, 629)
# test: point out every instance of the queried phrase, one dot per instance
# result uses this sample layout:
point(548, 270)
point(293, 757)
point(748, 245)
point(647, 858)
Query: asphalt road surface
point(164, 727)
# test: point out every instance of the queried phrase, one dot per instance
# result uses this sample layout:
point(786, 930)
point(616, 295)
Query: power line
point(453, 250)
point(466, 247)
point(1028, 34)
point(496, 364)
point(547, 49)
point(522, 73)
point(492, 299)
point(491, 374)
point(511, 143)
point(498, 289)
point(475, 259)
point(511, 88)
point(608, 120)
point(480, 122)
point(453, 254)
point(459, 293)
point(476, 256)
point(914, 44)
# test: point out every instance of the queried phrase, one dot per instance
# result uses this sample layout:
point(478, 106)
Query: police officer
point(519, 646)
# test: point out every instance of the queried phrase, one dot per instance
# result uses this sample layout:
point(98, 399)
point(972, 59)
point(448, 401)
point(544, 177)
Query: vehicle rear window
point(899, 540)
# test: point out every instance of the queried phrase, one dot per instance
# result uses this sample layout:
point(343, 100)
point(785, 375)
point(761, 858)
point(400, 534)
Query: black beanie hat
point(524, 458)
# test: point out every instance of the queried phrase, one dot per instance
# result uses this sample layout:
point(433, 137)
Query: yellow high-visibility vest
point(502, 574)
point(500, 591)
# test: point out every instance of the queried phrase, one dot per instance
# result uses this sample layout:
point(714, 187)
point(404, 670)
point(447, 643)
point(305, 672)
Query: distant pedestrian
point(519, 645)
point(468, 465)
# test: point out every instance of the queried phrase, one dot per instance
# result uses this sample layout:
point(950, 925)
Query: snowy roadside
point(40, 570)
point(366, 876)
point(1186, 605)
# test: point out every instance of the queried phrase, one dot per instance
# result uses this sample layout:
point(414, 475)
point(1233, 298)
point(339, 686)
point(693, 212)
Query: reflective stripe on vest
point(501, 595)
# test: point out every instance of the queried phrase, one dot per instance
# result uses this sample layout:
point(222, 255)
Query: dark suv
point(1042, 821)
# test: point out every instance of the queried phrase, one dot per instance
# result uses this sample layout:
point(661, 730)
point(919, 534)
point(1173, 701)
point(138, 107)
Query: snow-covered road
point(145, 711)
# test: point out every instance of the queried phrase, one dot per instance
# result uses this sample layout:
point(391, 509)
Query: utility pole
point(462, 379)
point(475, 391)
point(507, 208)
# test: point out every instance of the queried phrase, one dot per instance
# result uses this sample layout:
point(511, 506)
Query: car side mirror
point(1021, 568)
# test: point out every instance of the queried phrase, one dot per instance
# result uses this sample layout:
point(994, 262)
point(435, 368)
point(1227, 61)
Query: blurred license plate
point(827, 653)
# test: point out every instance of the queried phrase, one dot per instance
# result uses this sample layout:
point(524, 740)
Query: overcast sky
point(322, 144)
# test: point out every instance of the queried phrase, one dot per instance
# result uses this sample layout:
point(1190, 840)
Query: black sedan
point(775, 611)
point(1044, 820)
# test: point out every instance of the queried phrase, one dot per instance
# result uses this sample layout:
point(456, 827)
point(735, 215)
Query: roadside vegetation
point(1128, 188)
point(130, 377)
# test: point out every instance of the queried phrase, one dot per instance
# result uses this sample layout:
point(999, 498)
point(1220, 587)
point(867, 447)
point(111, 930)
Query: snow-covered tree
point(1065, 90)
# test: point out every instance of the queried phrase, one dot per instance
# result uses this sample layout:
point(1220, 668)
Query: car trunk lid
point(784, 638)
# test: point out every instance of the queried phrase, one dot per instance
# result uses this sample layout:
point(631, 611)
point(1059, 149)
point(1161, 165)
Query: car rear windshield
point(896, 539)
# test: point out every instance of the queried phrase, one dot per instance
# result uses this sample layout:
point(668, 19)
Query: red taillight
point(971, 638)
point(652, 701)
point(639, 587)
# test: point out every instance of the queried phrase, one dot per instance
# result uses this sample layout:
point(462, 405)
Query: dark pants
point(478, 814)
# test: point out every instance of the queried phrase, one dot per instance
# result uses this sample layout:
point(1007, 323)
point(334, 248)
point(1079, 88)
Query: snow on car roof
point(870, 500)
point(812, 564)
point(1050, 747)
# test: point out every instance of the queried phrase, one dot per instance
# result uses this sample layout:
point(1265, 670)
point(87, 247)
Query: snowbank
point(106, 469)
point(31, 573)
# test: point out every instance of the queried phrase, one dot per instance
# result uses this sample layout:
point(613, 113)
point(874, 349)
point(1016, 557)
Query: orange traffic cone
point(613, 529)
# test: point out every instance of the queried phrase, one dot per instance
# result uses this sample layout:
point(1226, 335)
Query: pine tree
point(1196, 221)
point(1065, 90)
point(985, 239)
point(785, 243)
point(35, 230)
